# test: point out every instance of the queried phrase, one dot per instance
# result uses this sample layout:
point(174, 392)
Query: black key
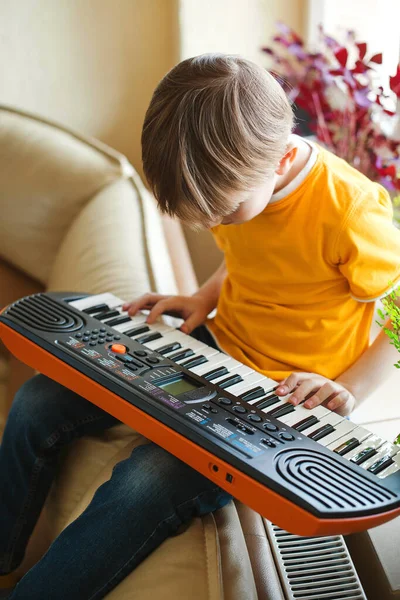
point(168, 348)
point(96, 309)
point(107, 315)
point(320, 433)
point(381, 464)
point(252, 394)
point(182, 354)
point(137, 330)
point(280, 411)
point(218, 372)
point(269, 400)
point(230, 381)
point(194, 362)
point(347, 446)
point(363, 455)
point(305, 423)
point(118, 320)
point(148, 338)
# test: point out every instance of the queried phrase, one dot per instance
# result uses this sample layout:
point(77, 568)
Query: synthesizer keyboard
point(312, 472)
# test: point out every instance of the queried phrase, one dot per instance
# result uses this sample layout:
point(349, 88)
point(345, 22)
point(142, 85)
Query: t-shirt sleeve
point(368, 247)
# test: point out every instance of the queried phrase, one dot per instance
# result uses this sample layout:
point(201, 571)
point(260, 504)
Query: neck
point(300, 161)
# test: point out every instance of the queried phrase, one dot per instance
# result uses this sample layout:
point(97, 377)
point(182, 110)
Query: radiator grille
point(42, 312)
point(314, 568)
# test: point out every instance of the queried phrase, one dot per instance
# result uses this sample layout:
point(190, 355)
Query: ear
point(286, 161)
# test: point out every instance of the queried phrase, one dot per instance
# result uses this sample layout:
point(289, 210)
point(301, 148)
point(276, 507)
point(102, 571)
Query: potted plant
point(341, 98)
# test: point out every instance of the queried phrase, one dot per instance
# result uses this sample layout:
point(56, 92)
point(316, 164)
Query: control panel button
point(118, 348)
point(226, 401)
point(288, 437)
point(153, 360)
point(239, 409)
point(207, 406)
point(140, 353)
point(268, 443)
point(255, 418)
point(270, 427)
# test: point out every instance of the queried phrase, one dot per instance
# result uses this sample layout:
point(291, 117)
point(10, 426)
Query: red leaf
point(336, 72)
point(377, 58)
point(362, 49)
point(360, 67)
point(389, 171)
point(395, 82)
point(341, 56)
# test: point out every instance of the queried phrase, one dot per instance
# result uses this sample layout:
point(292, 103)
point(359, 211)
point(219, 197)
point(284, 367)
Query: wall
point(89, 64)
point(238, 27)
point(92, 64)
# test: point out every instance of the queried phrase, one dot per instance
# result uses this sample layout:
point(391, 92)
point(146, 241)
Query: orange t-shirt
point(304, 274)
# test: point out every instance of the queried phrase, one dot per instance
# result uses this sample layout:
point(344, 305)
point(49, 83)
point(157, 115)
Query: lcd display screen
point(179, 386)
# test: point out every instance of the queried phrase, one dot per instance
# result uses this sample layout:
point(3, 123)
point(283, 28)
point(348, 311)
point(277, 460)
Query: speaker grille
point(42, 312)
point(328, 482)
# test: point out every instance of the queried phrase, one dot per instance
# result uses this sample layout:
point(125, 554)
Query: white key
point(342, 428)
point(374, 441)
point(137, 320)
point(331, 418)
point(303, 413)
point(264, 383)
point(160, 328)
point(280, 402)
point(387, 449)
point(168, 338)
point(214, 361)
point(267, 387)
point(388, 471)
point(359, 433)
point(248, 382)
point(218, 360)
point(106, 298)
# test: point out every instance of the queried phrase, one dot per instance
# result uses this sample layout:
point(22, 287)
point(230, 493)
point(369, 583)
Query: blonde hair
point(216, 124)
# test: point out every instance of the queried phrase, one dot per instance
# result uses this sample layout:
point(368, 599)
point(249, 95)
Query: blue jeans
point(148, 497)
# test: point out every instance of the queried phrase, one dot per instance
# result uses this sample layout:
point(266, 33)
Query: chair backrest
point(47, 175)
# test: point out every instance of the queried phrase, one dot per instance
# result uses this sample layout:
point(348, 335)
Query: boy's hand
point(317, 389)
point(193, 309)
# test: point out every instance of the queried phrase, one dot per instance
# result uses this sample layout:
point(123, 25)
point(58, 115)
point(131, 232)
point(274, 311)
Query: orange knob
point(118, 348)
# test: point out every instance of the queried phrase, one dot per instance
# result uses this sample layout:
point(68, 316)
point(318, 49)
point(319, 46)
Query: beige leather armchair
point(75, 216)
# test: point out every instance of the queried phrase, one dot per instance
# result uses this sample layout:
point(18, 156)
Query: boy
point(308, 244)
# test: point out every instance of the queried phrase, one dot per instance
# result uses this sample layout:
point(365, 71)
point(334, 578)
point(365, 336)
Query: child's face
point(252, 203)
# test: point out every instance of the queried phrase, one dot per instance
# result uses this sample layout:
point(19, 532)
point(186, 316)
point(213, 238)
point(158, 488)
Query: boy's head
point(214, 139)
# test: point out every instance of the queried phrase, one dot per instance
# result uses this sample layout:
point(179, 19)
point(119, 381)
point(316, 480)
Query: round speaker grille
point(329, 482)
point(44, 313)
